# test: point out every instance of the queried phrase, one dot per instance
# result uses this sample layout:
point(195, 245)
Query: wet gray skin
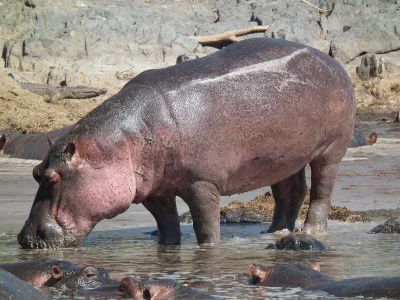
point(298, 241)
point(157, 290)
point(59, 274)
point(309, 278)
point(88, 277)
point(13, 288)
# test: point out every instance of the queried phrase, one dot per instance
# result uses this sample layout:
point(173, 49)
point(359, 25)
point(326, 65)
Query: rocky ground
point(261, 209)
point(102, 44)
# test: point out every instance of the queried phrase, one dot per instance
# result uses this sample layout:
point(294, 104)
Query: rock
point(298, 241)
point(261, 210)
point(369, 67)
point(367, 35)
point(186, 218)
point(258, 210)
point(390, 226)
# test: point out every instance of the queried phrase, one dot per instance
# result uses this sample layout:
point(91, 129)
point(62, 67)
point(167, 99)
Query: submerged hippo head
point(157, 289)
point(88, 277)
point(81, 183)
point(296, 275)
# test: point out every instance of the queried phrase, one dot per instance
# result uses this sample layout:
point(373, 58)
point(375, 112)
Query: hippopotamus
point(158, 289)
point(41, 272)
point(59, 274)
point(30, 146)
point(13, 288)
point(298, 241)
point(250, 115)
point(310, 278)
point(359, 139)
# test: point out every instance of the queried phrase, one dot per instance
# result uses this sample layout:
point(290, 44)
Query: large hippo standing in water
point(251, 115)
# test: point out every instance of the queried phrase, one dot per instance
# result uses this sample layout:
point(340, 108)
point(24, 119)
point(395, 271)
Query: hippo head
point(285, 275)
point(148, 289)
point(80, 183)
point(88, 277)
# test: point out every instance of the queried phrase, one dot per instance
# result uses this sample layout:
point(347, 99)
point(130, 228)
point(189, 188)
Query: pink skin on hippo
point(251, 115)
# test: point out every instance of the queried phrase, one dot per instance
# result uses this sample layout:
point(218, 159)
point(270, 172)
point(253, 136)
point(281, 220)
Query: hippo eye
point(122, 287)
point(90, 275)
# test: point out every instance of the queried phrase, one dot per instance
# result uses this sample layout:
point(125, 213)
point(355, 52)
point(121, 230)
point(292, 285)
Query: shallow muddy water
point(369, 178)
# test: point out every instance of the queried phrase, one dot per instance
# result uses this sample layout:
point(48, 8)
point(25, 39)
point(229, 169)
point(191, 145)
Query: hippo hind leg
point(164, 210)
point(323, 177)
point(289, 195)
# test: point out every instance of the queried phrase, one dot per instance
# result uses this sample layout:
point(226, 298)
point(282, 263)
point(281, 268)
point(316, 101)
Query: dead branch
point(53, 94)
point(321, 11)
point(228, 36)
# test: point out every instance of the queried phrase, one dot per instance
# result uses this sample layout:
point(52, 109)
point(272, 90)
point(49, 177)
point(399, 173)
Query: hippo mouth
point(49, 235)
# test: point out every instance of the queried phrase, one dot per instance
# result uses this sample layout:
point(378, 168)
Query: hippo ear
point(256, 273)
point(70, 149)
point(56, 272)
point(315, 266)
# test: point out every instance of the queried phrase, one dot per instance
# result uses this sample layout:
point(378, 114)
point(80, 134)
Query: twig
point(228, 36)
point(320, 10)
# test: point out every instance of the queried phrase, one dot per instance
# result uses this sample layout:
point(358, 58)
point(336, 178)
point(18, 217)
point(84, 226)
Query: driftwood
point(228, 36)
point(53, 94)
point(321, 11)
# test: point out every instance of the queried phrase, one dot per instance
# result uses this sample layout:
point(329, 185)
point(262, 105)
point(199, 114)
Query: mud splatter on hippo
point(199, 130)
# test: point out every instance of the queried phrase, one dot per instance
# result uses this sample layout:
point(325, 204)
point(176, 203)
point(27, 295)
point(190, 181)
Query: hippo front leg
point(164, 210)
point(322, 181)
point(289, 195)
point(203, 201)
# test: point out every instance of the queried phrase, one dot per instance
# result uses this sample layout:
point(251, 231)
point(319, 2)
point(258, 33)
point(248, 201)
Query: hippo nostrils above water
point(158, 290)
point(299, 275)
point(251, 115)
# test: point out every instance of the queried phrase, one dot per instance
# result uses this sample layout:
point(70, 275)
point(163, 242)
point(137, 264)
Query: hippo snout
point(40, 236)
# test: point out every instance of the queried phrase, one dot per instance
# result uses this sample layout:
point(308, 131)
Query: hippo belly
point(251, 115)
